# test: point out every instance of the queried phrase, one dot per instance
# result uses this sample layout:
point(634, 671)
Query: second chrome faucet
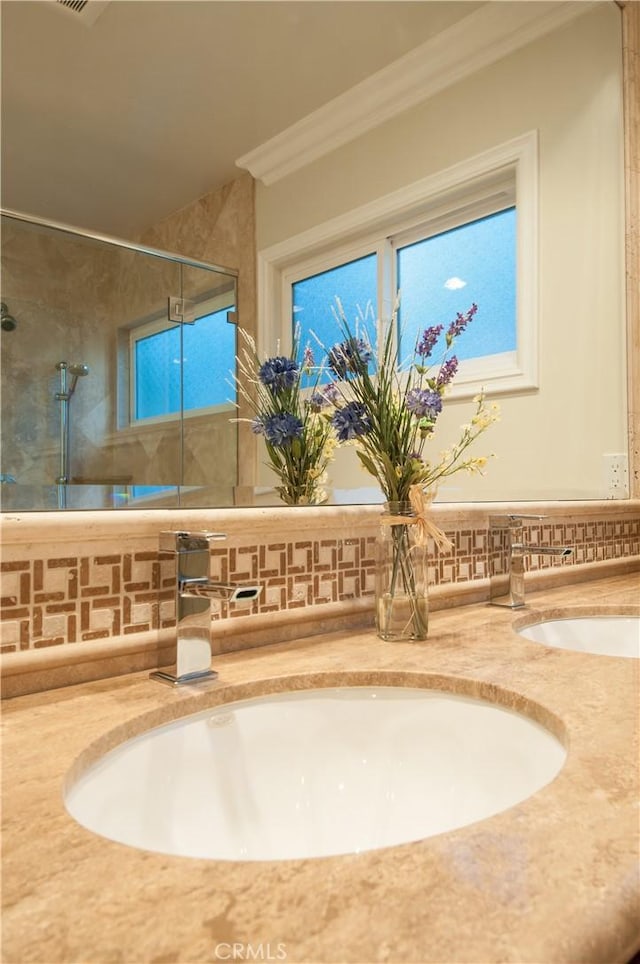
point(507, 551)
point(193, 592)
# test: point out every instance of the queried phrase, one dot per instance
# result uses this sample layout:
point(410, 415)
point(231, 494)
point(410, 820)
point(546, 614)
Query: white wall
point(567, 86)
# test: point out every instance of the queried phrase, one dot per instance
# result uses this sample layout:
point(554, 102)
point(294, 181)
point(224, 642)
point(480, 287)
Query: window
point(466, 235)
point(441, 275)
point(142, 492)
point(157, 377)
point(354, 283)
point(438, 273)
point(184, 367)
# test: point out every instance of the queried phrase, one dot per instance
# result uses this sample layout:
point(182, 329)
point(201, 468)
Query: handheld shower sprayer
point(76, 372)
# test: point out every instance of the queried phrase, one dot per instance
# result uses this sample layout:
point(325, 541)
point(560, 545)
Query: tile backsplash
point(76, 598)
point(61, 593)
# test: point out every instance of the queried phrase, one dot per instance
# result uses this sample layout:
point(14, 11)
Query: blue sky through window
point(437, 277)
point(355, 283)
point(157, 362)
point(444, 274)
point(145, 491)
point(208, 353)
point(209, 360)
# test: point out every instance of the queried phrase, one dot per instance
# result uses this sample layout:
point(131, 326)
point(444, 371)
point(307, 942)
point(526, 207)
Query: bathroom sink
point(315, 773)
point(600, 635)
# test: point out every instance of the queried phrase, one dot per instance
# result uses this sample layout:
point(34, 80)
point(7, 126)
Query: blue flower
point(257, 426)
point(351, 421)
point(423, 402)
point(281, 429)
point(278, 373)
point(352, 355)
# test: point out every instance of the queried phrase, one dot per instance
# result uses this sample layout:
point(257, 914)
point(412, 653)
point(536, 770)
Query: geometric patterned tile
point(70, 599)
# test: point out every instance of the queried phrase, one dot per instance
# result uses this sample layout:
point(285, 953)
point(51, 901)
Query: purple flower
point(278, 373)
point(429, 338)
point(308, 361)
point(281, 429)
point(461, 321)
point(447, 371)
point(257, 426)
point(326, 396)
point(317, 402)
point(424, 403)
point(352, 355)
point(331, 393)
point(351, 421)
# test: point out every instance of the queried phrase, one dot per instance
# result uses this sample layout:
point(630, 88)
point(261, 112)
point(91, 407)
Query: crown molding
point(484, 36)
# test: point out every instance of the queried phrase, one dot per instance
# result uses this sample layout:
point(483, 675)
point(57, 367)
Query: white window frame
point(161, 323)
point(502, 177)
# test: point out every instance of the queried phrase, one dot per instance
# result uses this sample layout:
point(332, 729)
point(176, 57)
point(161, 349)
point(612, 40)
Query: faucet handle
point(511, 521)
point(182, 541)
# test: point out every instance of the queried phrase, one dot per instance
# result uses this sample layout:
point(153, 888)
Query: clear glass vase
point(402, 576)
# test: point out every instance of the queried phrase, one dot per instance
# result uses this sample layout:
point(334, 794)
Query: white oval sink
point(600, 635)
point(315, 773)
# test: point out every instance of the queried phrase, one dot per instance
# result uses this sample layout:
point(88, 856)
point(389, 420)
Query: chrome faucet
point(193, 592)
point(506, 559)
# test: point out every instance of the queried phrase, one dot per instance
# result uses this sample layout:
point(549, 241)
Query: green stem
point(402, 569)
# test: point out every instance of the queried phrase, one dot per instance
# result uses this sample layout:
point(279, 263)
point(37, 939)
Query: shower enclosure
point(115, 373)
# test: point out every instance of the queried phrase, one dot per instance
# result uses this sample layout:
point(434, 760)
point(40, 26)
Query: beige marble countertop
point(554, 879)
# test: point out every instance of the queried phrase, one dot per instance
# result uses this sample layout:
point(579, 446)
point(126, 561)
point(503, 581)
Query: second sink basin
point(315, 773)
point(600, 635)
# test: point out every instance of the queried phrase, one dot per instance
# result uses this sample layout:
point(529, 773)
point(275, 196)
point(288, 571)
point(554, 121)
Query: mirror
point(558, 436)
point(114, 374)
point(574, 102)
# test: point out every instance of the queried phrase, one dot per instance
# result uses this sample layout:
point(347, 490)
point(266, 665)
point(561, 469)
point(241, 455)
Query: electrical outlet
point(616, 475)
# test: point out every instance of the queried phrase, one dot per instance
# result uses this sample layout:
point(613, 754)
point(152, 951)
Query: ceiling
point(113, 125)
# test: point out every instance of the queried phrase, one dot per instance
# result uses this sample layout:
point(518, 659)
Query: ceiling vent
point(84, 11)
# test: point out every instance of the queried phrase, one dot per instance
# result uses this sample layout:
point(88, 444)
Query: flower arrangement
point(387, 409)
point(298, 440)
point(390, 412)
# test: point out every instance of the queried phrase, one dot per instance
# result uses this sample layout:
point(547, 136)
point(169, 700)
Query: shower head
point(7, 321)
point(76, 372)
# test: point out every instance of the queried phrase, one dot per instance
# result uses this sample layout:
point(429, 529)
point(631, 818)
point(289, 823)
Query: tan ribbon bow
point(421, 503)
